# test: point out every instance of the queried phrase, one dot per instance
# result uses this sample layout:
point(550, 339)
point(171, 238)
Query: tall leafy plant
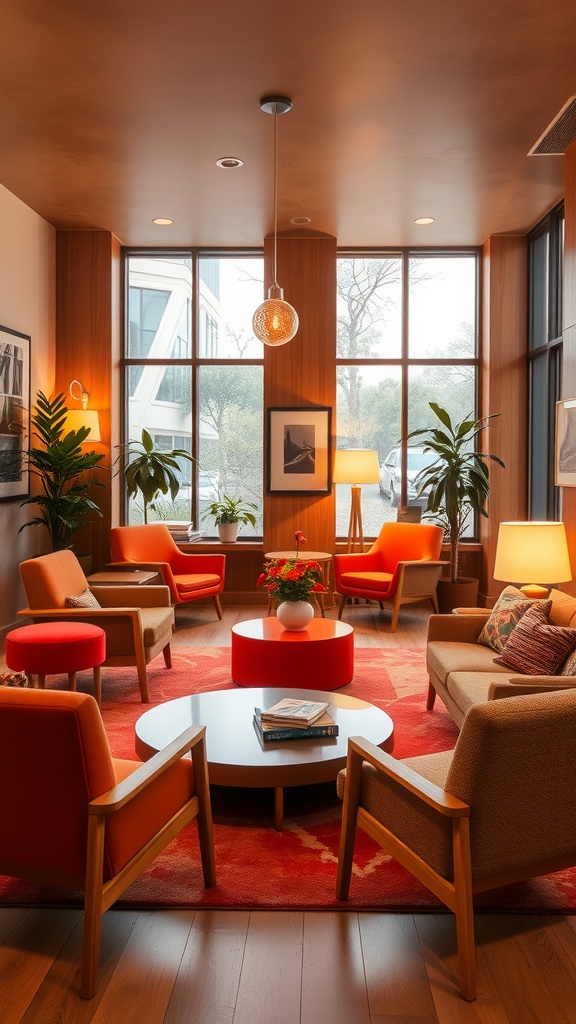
point(150, 471)
point(457, 481)
point(60, 463)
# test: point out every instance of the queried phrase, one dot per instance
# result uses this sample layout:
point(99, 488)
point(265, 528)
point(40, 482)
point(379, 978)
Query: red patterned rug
point(258, 867)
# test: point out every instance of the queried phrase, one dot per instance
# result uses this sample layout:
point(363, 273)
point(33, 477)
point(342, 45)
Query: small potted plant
point(228, 514)
point(291, 581)
point(456, 485)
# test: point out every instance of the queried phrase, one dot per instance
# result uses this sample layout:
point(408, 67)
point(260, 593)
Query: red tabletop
point(320, 657)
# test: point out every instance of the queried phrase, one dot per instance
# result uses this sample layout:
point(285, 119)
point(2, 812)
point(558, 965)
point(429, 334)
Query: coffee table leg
point(278, 808)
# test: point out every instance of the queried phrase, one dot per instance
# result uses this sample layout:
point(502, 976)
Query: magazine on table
point(292, 711)
point(269, 731)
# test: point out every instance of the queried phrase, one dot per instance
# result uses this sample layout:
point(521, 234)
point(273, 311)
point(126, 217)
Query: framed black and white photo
point(14, 413)
point(565, 461)
point(299, 450)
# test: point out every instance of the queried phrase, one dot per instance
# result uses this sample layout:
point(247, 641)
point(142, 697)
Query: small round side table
point(320, 657)
point(323, 558)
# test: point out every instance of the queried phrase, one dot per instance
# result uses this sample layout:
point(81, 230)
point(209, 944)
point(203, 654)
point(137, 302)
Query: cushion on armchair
point(84, 600)
point(535, 647)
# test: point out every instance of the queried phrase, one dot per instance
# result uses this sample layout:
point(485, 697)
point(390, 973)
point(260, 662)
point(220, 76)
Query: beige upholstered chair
point(138, 621)
point(499, 808)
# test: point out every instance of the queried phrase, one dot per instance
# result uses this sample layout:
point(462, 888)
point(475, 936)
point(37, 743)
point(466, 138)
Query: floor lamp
point(356, 466)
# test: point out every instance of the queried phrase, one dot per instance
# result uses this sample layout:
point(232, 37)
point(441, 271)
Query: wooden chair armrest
point(130, 787)
point(82, 614)
point(460, 628)
point(448, 805)
point(516, 686)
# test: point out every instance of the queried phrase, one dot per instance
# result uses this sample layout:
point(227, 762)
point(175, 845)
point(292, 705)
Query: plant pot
point(295, 615)
point(461, 594)
point(228, 533)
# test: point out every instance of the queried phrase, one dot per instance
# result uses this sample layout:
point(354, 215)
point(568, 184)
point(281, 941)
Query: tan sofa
point(463, 672)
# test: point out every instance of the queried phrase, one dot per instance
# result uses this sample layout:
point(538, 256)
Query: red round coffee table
point(320, 657)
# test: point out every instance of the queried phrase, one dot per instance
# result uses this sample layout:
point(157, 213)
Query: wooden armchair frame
point(99, 896)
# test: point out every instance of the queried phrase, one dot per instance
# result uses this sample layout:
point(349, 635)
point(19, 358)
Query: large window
point(407, 335)
point(544, 360)
point(193, 375)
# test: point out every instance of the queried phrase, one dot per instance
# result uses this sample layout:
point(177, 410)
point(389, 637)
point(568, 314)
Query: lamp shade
point(532, 552)
point(77, 418)
point(356, 466)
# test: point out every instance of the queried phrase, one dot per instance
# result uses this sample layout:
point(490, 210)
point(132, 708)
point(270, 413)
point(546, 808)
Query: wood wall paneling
point(87, 333)
point(302, 373)
point(504, 389)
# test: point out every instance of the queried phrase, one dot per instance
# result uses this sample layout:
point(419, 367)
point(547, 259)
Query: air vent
point(560, 133)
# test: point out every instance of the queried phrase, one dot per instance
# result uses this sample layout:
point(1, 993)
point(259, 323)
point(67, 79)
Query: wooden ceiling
point(114, 112)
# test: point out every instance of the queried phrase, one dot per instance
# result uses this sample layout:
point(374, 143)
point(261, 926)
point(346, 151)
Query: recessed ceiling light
point(300, 220)
point(162, 220)
point(424, 220)
point(229, 162)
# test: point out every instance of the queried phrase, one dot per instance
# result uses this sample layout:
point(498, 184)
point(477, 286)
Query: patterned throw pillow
point(535, 647)
point(85, 600)
point(505, 616)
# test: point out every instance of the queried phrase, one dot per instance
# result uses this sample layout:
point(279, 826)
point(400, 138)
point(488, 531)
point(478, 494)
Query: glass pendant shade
point(275, 322)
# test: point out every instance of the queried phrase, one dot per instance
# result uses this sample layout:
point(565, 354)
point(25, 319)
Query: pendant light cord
point(275, 201)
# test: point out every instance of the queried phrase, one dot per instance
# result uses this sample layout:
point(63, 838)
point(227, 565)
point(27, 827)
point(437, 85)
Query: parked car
point(207, 486)
point(391, 474)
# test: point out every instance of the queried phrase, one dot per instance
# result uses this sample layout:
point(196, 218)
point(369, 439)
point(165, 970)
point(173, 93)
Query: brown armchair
point(401, 567)
point(75, 816)
point(499, 808)
point(138, 621)
point(189, 577)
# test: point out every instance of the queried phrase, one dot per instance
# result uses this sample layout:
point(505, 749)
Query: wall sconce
point(532, 551)
point(356, 466)
point(83, 417)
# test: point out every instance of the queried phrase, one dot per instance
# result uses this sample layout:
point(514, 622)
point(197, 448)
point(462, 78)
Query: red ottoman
point(50, 648)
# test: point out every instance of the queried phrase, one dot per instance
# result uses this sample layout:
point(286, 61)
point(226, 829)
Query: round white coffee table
point(237, 757)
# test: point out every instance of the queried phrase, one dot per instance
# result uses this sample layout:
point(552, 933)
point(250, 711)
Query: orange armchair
point(74, 816)
point(401, 567)
point(189, 577)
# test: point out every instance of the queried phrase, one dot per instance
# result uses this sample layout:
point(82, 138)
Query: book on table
point(290, 711)
point(269, 731)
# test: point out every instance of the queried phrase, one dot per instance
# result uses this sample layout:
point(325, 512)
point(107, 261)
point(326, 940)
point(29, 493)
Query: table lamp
point(356, 466)
point(536, 551)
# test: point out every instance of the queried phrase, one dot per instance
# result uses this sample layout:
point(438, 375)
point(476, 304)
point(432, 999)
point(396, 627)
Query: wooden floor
point(236, 967)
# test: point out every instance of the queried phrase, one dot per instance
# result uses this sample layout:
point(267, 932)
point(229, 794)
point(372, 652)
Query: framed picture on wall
point(14, 414)
point(565, 460)
point(299, 450)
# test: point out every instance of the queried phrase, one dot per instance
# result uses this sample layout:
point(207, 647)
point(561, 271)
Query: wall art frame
point(565, 444)
point(14, 414)
point(299, 447)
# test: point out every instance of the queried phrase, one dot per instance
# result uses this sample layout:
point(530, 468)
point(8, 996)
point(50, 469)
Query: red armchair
point(401, 567)
point(189, 577)
point(72, 815)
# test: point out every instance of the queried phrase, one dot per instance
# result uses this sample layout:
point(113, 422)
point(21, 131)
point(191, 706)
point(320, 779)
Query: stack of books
point(291, 719)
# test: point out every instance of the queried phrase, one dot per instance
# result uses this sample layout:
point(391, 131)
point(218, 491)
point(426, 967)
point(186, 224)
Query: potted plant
point(150, 471)
point(291, 581)
point(228, 513)
point(59, 463)
point(456, 485)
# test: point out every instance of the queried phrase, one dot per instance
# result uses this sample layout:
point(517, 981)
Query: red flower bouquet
point(291, 579)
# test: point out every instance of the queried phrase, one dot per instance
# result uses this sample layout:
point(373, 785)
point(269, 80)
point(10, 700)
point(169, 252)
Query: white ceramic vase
point(295, 615)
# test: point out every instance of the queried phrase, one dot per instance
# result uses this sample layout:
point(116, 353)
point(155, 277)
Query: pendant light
point(275, 322)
